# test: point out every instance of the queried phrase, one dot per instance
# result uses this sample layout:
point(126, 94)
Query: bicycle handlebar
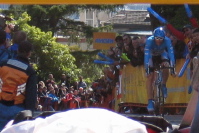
point(172, 69)
point(161, 68)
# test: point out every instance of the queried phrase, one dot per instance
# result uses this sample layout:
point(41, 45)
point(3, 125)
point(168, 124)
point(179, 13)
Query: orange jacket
point(18, 82)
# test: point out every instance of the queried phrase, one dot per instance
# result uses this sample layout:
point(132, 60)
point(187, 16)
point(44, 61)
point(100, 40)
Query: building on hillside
point(133, 19)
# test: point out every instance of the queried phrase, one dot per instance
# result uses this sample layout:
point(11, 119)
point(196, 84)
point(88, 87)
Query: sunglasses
point(159, 38)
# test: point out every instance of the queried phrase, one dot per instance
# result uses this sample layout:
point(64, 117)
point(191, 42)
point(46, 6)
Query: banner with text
point(103, 40)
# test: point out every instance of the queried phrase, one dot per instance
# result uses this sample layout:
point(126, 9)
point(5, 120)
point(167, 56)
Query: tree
point(90, 70)
point(174, 14)
point(49, 56)
point(56, 17)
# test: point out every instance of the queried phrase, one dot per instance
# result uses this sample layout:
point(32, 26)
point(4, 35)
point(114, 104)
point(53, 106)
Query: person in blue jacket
point(158, 52)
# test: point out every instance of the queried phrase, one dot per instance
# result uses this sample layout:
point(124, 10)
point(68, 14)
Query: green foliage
point(55, 17)
point(90, 70)
point(49, 56)
point(174, 14)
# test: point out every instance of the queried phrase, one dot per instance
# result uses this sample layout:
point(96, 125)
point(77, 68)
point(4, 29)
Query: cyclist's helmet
point(159, 32)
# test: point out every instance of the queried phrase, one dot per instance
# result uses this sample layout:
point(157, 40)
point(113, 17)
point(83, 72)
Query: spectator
point(119, 42)
point(18, 37)
point(50, 80)
point(41, 83)
point(40, 92)
point(82, 96)
point(5, 53)
point(90, 97)
point(12, 75)
point(142, 42)
point(75, 93)
point(186, 33)
point(137, 56)
point(65, 101)
point(81, 83)
point(2, 39)
point(45, 90)
point(109, 74)
point(65, 80)
point(9, 29)
point(75, 85)
point(112, 54)
point(127, 39)
point(195, 48)
point(195, 39)
point(179, 47)
point(50, 87)
point(62, 91)
point(127, 45)
point(54, 100)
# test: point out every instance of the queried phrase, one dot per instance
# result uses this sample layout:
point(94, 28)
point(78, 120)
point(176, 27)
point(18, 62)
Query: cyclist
point(158, 51)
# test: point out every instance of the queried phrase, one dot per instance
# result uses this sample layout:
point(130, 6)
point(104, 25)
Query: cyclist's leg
point(149, 87)
point(165, 73)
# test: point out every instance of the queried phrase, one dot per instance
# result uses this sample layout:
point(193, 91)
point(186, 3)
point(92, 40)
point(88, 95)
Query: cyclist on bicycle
point(158, 52)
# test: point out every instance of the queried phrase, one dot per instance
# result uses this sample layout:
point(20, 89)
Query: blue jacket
point(151, 49)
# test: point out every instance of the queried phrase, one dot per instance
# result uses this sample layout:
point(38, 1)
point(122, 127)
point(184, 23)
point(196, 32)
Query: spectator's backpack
point(5, 54)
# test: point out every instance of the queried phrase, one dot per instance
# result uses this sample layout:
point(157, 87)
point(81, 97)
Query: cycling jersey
point(165, 50)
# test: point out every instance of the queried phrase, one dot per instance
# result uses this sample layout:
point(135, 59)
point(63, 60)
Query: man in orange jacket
point(17, 85)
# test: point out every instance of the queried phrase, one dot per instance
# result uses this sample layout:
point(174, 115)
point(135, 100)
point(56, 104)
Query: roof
point(147, 33)
point(130, 17)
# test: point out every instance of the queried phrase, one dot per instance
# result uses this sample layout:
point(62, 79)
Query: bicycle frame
point(157, 90)
point(158, 97)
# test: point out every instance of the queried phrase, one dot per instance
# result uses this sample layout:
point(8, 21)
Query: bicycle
point(159, 99)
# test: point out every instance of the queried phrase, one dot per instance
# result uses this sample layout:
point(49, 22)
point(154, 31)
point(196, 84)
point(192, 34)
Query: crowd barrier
point(133, 87)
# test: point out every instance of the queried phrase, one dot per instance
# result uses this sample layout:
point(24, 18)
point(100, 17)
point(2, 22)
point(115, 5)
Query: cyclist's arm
point(147, 52)
point(170, 52)
point(175, 32)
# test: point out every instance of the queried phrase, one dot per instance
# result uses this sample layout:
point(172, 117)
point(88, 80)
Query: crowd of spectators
point(52, 96)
